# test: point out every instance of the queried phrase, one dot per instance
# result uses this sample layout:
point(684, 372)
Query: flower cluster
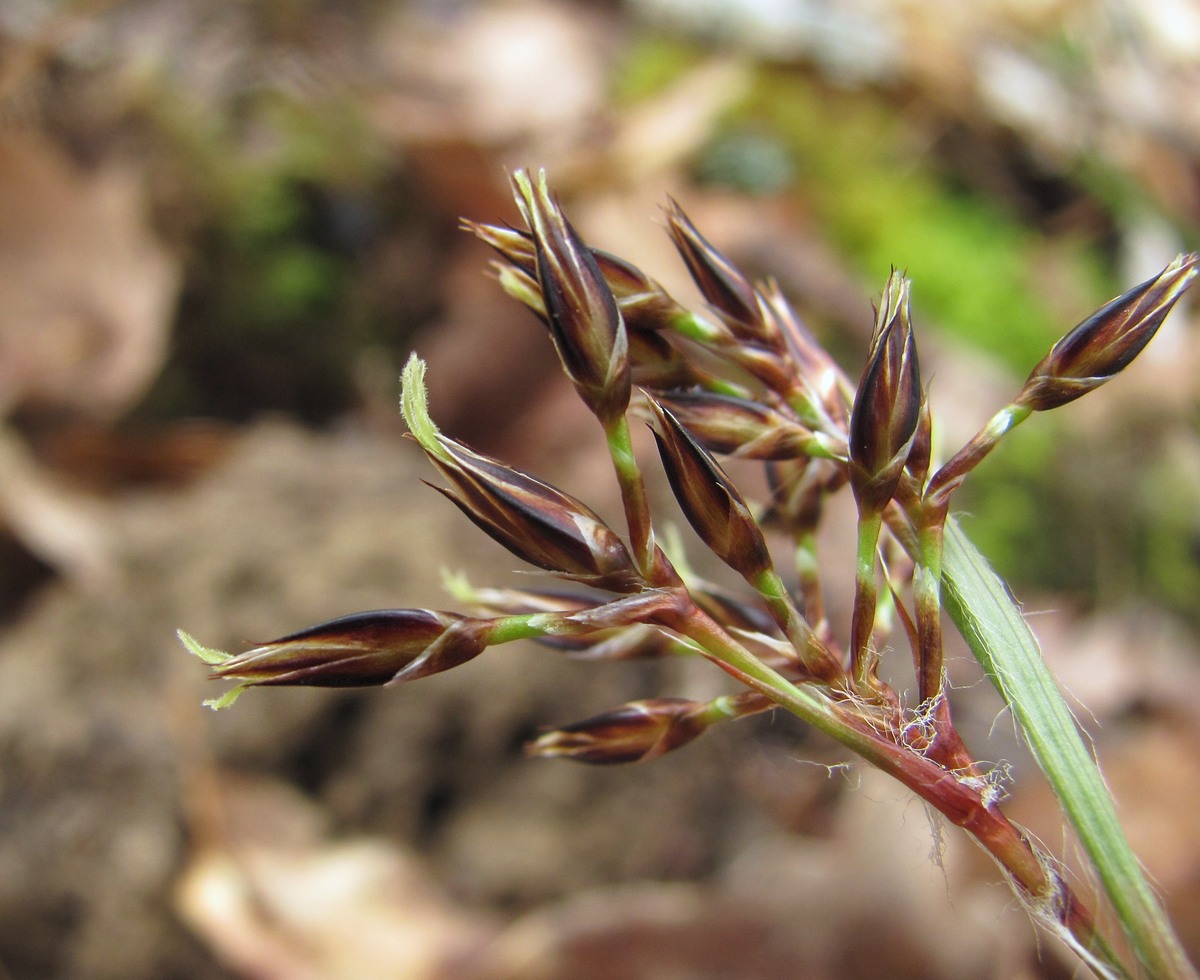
point(743, 379)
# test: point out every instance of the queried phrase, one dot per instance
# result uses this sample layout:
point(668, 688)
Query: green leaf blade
point(984, 612)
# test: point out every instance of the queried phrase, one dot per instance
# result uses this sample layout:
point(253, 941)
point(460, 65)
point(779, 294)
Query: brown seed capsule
point(887, 405)
point(634, 732)
point(1104, 344)
point(585, 323)
point(709, 501)
point(359, 650)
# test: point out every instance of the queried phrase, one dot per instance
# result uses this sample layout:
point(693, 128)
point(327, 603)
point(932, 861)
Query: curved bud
point(634, 732)
point(585, 323)
point(363, 649)
point(887, 406)
point(535, 521)
point(743, 428)
point(1104, 344)
point(708, 499)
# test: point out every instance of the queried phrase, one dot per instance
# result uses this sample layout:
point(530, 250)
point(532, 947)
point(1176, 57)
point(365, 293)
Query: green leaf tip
point(213, 658)
point(414, 406)
point(226, 699)
point(207, 654)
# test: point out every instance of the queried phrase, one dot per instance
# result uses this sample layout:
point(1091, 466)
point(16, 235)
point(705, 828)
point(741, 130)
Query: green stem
point(649, 559)
point(808, 572)
point(814, 654)
point(947, 479)
point(927, 601)
point(862, 662)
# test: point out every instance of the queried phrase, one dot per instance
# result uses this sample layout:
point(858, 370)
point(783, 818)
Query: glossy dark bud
point(534, 520)
point(722, 285)
point(887, 405)
point(644, 305)
point(1104, 344)
point(363, 649)
point(582, 313)
point(709, 501)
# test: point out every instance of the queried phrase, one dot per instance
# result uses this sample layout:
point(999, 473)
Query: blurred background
point(223, 226)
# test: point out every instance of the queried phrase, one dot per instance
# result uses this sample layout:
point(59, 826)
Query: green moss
point(867, 180)
point(649, 64)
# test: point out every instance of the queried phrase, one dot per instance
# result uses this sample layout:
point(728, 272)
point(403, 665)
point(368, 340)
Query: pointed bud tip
point(210, 656)
point(1105, 343)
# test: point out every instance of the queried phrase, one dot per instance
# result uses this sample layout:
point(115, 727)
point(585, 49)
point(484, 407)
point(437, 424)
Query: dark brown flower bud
point(535, 521)
point(1104, 344)
point(584, 320)
point(887, 405)
point(708, 499)
point(363, 649)
point(726, 290)
point(634, 732)
point(743, 428)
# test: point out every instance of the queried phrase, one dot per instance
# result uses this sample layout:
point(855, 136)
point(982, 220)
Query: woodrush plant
point(747, 380)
